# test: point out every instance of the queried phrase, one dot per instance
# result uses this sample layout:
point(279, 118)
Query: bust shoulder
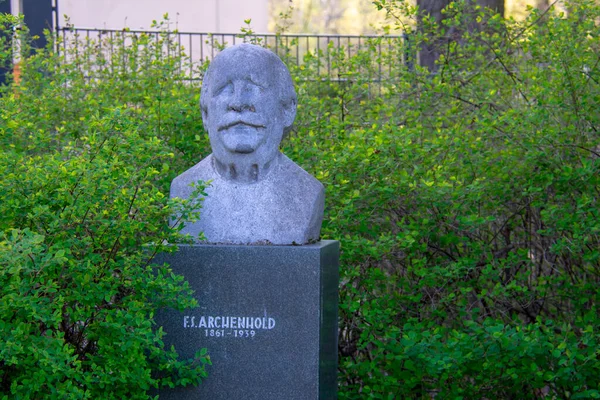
point(203, 171)
point(290, 174)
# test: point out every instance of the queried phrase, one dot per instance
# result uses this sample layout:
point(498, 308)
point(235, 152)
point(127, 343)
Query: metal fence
point(196, 48)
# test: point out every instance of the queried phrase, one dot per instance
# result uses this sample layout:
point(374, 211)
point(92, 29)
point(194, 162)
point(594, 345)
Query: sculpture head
point(248, 102)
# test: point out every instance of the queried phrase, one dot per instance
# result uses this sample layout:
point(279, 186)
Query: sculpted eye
point(251, 88)
point(257, 83)
point(226, 88)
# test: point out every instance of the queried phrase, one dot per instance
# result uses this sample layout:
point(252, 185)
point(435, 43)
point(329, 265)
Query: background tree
point(431, 13)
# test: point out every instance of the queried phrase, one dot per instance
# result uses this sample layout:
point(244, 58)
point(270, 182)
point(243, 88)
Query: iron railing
point(199, 47)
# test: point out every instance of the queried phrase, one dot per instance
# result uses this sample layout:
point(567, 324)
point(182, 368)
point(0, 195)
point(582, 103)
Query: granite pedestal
point(267, 315)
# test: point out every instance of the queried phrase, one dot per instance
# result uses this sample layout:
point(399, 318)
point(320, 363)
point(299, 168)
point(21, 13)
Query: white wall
point(225, 16)
point(16, 7)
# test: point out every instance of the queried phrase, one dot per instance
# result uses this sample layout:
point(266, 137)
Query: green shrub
point(83, 209)
point(466, 202)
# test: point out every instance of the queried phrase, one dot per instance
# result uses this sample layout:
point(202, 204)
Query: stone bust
point(257, 194)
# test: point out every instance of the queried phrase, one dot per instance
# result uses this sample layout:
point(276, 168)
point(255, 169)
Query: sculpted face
point(239, 110)
point(247, 102)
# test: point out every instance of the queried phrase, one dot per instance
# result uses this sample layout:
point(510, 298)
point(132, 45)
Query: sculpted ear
point(204, 91)
point(204, 112)
point(289, 113)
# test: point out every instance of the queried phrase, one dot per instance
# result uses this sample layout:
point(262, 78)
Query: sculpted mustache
point(234, 123)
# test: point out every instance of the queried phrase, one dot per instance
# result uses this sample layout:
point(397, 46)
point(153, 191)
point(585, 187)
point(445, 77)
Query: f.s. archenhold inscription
point(257, 195)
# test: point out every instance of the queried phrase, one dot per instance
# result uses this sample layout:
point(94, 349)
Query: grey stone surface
point(257, 195)
point(290, 295)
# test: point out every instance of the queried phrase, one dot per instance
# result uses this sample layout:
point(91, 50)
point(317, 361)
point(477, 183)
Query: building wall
point(223, 16)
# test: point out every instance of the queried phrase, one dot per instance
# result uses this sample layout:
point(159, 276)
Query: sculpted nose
point(237, 106)
point(241, 101)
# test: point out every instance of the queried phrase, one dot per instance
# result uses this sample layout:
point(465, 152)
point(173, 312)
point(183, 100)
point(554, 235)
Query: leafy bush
point(83, 210)
point(466, 202)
